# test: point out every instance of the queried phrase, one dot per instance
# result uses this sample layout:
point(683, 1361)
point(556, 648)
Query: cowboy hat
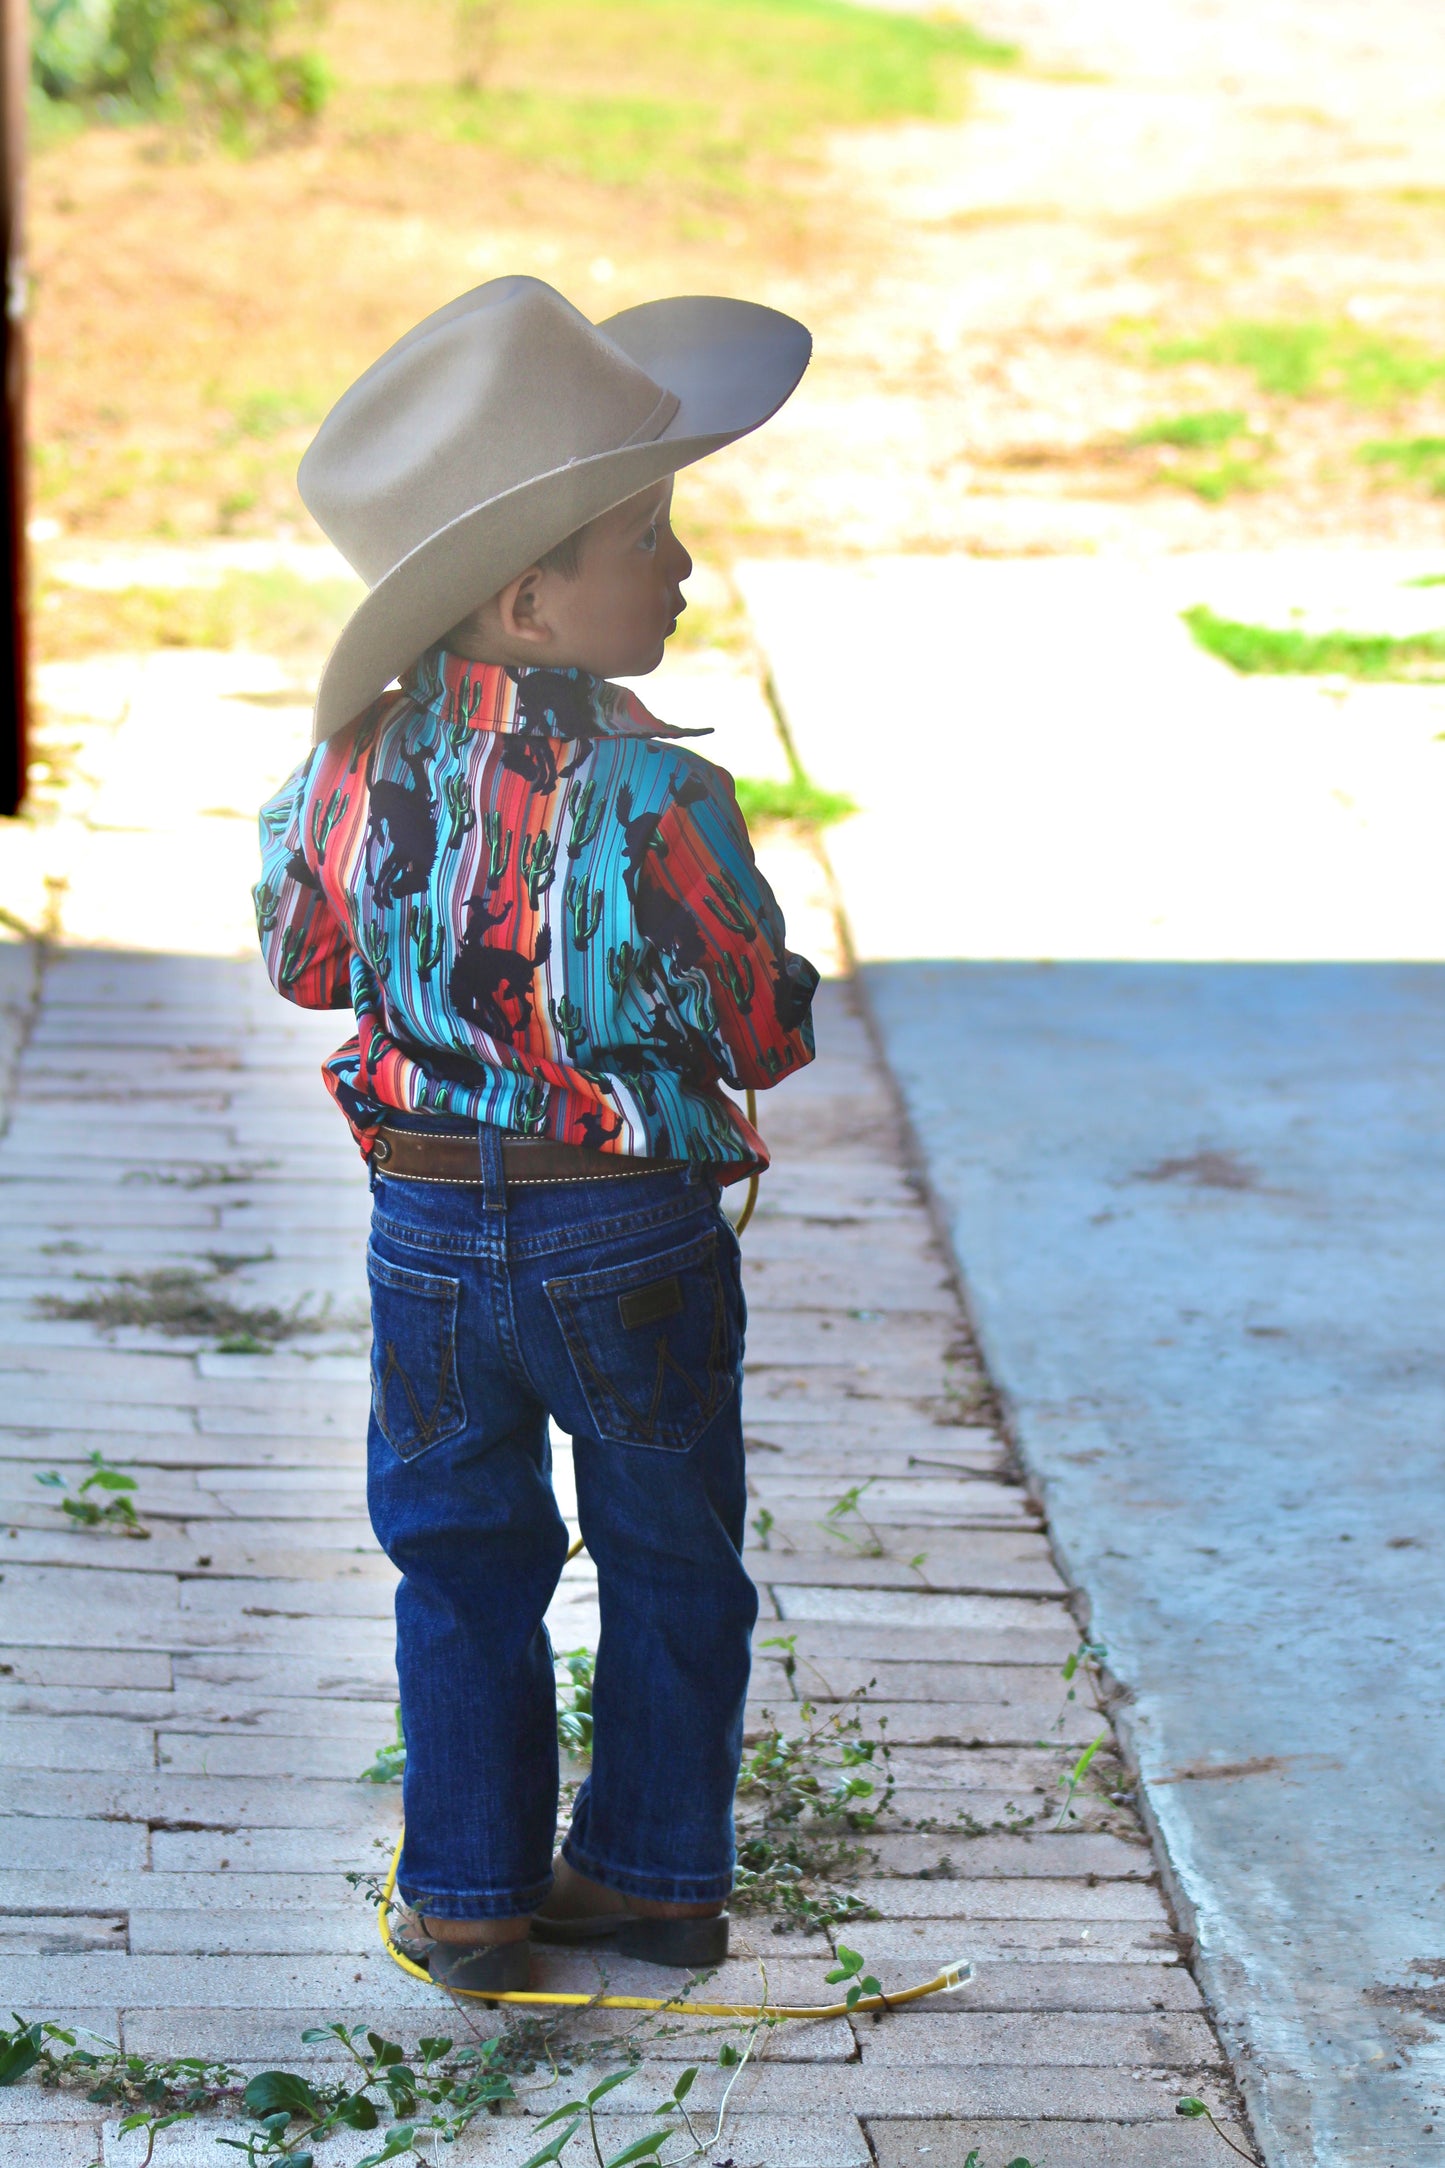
point(500, 425)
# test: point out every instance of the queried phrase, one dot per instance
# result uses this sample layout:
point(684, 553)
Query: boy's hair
point(565, 556)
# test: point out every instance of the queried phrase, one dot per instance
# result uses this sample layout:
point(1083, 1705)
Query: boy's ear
point(519, 608)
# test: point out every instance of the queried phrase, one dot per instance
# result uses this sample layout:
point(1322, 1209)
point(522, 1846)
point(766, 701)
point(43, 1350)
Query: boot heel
point(690, 1945)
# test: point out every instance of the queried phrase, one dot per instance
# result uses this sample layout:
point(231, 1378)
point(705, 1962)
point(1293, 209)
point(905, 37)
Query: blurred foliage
point(1194, 432)
point(1277, 651)
point(236, 69)
point(1213, 429)
point(277, 613)
point(1303, 360)
point(701, 93)
point(1413, 459)
point(763, 801)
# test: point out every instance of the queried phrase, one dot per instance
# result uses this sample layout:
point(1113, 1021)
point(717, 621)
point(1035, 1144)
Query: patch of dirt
point(966, 283)
point(1203, 1170)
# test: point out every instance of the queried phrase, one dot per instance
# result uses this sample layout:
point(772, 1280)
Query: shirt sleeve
point(761, 991)
point(305, 948)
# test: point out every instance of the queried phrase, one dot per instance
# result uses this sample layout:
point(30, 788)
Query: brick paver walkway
point(184, 1717)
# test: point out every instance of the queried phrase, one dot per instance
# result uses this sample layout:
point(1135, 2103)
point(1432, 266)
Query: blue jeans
point(617, 1308)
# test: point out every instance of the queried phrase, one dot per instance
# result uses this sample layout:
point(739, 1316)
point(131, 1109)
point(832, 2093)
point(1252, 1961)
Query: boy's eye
point(649, 539)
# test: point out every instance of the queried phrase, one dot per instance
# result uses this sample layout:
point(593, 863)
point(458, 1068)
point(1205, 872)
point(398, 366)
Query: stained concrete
point(1199, 1210)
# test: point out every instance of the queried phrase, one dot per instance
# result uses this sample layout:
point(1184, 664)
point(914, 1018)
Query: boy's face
point(612, 617)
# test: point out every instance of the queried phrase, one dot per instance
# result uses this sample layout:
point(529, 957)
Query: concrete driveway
point(1196, 1197)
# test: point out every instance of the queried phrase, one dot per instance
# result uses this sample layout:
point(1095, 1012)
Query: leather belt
point(452, 1156)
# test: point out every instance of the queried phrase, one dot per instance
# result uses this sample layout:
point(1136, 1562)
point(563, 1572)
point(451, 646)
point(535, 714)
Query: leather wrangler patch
point(650, 1305)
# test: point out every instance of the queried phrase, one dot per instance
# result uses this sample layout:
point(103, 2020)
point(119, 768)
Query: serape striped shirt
point(544, 912)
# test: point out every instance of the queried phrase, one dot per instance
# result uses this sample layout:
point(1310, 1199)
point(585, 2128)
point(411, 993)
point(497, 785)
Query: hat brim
point(730, 365)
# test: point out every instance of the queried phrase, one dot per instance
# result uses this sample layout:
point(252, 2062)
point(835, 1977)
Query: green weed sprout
point(1192, 2108)
point(870, 1545)
point(390, 1759)
point(574, 1702)
point(152, 2125)
point(849, 1967)
point(119, 1512)
point(1076, 1777)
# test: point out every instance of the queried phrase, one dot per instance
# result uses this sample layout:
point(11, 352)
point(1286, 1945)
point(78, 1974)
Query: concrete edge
point(21, 964)
point(1120, 1697)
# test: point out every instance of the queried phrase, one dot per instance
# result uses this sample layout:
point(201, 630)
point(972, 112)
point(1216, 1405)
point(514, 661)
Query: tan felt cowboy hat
point(502, 424)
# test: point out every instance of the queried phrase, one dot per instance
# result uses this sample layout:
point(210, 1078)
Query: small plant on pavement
point(111, 2076)
point(674, 2117)
point(390, 1762)
point(1089, 1657)
point(850, 1968)
point(804, 1799)
point(119, 1512)
point(574, 1702)
point(183, 1302)
point(1193, 2108)
point(869, 1544)
point(1075, 1778)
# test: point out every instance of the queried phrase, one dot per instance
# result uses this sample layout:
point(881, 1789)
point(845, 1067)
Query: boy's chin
point(648, 663)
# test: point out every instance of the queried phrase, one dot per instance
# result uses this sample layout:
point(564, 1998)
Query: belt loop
point(494, 1180)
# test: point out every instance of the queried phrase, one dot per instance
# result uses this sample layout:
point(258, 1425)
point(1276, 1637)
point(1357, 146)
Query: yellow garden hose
point(752, 1194)
point(952, 1976)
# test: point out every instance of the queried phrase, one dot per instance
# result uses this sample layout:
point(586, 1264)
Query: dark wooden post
point(14, 71)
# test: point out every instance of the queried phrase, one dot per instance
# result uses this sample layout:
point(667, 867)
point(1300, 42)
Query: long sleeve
point(762, 992)
point(305, 948)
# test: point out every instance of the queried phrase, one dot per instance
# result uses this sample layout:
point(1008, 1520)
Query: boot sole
point(688, 1945)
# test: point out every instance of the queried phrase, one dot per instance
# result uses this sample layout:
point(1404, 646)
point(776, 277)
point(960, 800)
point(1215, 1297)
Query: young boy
point(546, 916)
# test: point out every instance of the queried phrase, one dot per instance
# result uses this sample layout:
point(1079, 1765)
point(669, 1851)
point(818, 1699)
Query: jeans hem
point(677, 1889)
point(475, 1904)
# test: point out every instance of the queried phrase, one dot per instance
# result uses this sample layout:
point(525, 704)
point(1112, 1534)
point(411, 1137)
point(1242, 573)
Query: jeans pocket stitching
point(427, 1429)
point(643, 1426)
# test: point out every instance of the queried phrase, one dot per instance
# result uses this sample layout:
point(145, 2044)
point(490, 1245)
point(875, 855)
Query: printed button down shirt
point(544, 912)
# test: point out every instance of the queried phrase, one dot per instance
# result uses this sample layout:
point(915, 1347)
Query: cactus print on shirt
point(544, 912)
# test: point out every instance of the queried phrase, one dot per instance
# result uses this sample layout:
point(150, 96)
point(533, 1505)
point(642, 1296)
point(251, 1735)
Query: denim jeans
point(617, 1308)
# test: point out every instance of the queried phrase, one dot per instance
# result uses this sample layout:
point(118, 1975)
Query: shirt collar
point(529, 701)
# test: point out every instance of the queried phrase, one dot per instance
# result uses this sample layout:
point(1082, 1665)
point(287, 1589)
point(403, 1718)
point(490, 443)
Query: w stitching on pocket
point(419, 1364)
point(646, 1425)
point(642, 1416)
point(427, 1427)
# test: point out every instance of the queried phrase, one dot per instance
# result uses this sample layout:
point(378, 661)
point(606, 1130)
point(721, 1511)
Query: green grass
point(1195, 432)
point(797, 800)
point(1223, 479)
point(277, 612)
point(1413, 459)
point(1268, 650)
point(265, 414)
point(1212, 429)
point(1307, 360)
point(700, 93)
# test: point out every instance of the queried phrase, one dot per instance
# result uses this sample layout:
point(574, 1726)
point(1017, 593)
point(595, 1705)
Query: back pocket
point(415, 1393)
point(651, 1344)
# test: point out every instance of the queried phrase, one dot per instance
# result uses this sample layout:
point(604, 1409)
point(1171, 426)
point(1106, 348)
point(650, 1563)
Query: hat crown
point(505, 384)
